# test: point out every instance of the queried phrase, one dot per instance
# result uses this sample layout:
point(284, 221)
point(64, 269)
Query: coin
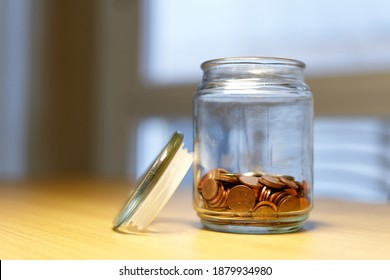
point(217, 199)
point(224, 200)
point(271, 181)
point(300, 187)
point(267, 194)
point(288, 177)
point(250, 181)
point(254, 173)
point(305, 188)
point(267, 204)
point(227, 177)
point(279, 197)
point(291, 191)
point(274, 196)
point(241, 198)
point(210, 189)
point(264, 210)
point(303, 203)
point(288, 181)
point(210, 175)
point(257, 192)
point(289, 203)
point(262, 193)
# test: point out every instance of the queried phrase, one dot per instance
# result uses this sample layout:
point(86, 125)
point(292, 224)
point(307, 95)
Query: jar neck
point(253, 72)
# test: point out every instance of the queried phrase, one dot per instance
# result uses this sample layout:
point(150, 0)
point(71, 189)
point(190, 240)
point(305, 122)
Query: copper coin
point(299, 184)
point(254, 173)
point(210, 189)
point(219, 201)
point(262, 193)
point(210, 175)
point(271, 181)
point(267, 194)
point(250, 181)
point(300, 188)
point(224, 200)
point(265, 207)
point(266, 203)
point(290, 183)
point(289, 203)
point(257, 192)
point(279, 197)
point(305, 188)
point(264, 210)
point(274, 196)
point(303, 203)
point(288, 177)
point(291, 191)
point(241, 198)
point(214, 201)
point(228, 178)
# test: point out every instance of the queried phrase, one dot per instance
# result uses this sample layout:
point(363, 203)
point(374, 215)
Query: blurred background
point(95, 88)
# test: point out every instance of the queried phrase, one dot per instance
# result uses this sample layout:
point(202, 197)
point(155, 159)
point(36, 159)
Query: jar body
point(253, 146)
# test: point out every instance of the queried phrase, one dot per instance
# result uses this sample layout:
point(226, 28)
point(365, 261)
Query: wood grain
point(72, 219)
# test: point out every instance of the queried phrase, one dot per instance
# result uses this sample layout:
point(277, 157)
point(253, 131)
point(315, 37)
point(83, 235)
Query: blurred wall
point(85, 95)
point(48, 87)
point(62, 103)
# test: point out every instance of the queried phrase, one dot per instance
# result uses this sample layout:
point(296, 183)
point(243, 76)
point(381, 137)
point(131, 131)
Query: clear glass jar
point(253, 145)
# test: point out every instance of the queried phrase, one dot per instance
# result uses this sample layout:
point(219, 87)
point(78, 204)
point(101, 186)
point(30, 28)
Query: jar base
point(256, 227)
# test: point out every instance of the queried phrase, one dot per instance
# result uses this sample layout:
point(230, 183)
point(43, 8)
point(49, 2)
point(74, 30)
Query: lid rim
point(148, 181)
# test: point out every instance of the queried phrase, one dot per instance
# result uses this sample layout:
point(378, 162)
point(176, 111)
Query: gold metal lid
point(155, 187)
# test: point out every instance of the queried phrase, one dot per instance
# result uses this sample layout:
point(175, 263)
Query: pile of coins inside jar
point(255, 192)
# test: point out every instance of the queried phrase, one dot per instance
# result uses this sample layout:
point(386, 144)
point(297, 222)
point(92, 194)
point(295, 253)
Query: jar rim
point(260, 60)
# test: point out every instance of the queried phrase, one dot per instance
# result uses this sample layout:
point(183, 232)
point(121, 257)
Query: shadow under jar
point(253, 145)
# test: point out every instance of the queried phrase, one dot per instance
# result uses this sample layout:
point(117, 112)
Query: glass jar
point(253, 145)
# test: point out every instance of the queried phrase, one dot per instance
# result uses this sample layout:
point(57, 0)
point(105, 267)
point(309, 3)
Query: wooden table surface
point(72, 219)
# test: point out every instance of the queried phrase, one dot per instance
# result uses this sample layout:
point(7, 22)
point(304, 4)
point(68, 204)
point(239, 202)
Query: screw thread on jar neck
point(253, 72)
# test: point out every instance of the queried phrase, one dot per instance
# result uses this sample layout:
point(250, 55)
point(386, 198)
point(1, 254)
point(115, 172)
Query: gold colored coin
point(241, 199)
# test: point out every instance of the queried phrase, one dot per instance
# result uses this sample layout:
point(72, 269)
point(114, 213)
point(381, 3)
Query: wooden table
point(72, 219)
